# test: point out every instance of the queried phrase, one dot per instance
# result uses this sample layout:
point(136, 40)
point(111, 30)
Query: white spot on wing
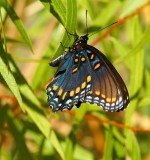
point(96, 98)
point(113, 104)
point(88, 86)
point(108, 104)
point(68, 102)
point(102, 101)
point(89, 97)
point(56, 99)
point(117, 102)
point(120, 99)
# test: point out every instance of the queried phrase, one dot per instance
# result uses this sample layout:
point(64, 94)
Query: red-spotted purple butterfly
point(84, 74)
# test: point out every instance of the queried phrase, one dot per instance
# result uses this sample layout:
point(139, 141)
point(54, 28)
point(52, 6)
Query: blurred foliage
point(31, 32)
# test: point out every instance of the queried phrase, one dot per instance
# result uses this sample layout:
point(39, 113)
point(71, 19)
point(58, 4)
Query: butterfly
point(84, 74)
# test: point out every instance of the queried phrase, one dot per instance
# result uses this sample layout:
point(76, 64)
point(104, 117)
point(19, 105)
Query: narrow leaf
point(9, 77)
point(70, 25)
point(108, 146)
point(18, 23)
point(57, 8)
point(132, 145)
point(33, 109)
point(18, 137)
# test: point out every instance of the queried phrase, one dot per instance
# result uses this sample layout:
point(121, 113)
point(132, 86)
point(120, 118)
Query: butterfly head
point(78, 42)
point(83, 39)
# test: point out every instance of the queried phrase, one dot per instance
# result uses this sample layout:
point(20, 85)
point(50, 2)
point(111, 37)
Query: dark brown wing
point(107, 87)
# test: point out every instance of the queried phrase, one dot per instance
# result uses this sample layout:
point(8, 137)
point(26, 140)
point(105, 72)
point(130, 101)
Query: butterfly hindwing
point(108, 89)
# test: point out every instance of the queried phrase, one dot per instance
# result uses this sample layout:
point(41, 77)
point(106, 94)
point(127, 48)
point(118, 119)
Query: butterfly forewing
point(70, 84)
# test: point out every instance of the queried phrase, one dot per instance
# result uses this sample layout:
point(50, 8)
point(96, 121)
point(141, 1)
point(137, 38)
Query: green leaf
point(81, 153)
point(18, 23)
point(136, 63)
point(71, 12)
point(132, 145)
point(111, 8)
point(130, 6)
point(43, 68)
point(144, 101)
point(130, 110)
point(139, 45)
point(135, 57)
point(119, 150)
point(3, 111)
point(8, 76)
point(57, 8)
point(88, 4)
point(33, 109)
point(71, 140)
point(122, 50)
point(70, 25)
point(108, 145)
point(69, 150)
point(24, 153)
point(147, 80)
point(2, 2)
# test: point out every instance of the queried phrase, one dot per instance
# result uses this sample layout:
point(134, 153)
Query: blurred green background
point(31, 32)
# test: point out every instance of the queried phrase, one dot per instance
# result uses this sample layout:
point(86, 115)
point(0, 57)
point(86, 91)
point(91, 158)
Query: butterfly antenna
point(86, 23)
point(103, 28)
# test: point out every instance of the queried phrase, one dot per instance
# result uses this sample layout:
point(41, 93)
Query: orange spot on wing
point(83, 85)
point(76, 60)
point(88, 78)
point(64, 95)
point(103, 95)
point(72, 93)
point(90, 92)
point(78, 90)
point(55, 88)
point(92, 56)
point(97, 93)
point(82, 59)
point(60, 92)
point(74, 70)
point(108, 99)
point(114, 99)
point(97, 66)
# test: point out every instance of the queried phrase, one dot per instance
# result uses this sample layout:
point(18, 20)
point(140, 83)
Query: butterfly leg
point(58, 60)
point(71, 33)
point(64, 47)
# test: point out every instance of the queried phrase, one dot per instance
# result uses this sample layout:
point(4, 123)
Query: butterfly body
point(85, 75)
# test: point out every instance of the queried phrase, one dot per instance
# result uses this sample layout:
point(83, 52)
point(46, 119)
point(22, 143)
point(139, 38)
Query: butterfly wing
point(70, 83)
point(107, 87)
point(87, 76)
